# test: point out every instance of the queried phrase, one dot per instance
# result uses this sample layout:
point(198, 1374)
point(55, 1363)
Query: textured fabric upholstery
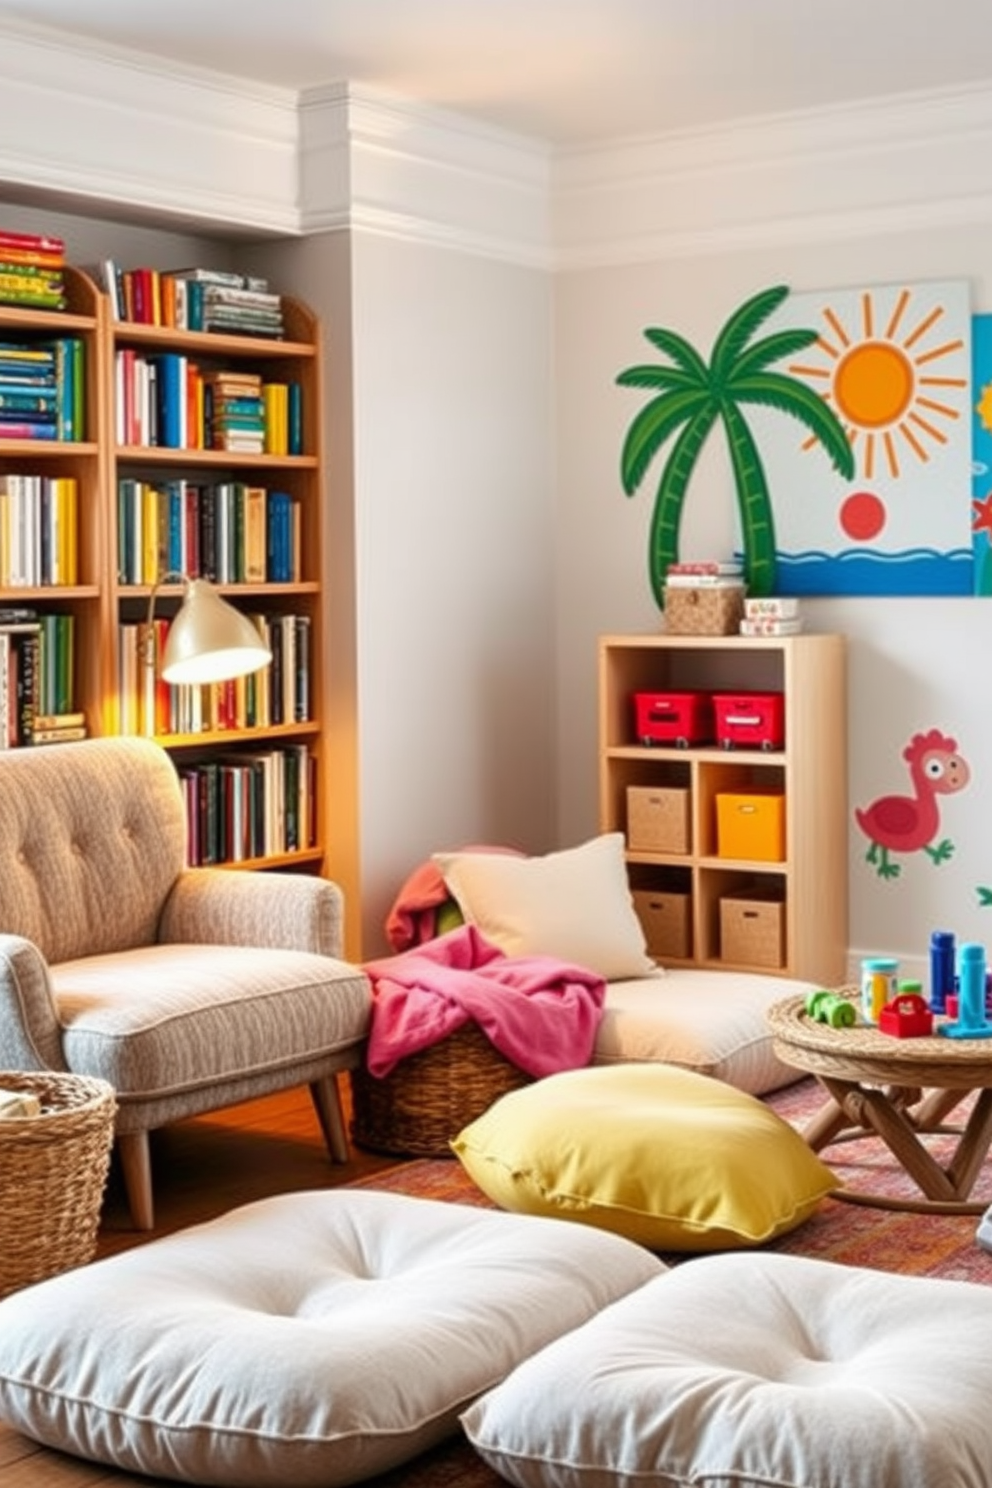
point(90, 845)
point(180, 1033)
point(187, 989)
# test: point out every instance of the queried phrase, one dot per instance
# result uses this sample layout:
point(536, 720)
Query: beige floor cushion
point(712, 1022)
point(305, 1341)
point(751, 1371)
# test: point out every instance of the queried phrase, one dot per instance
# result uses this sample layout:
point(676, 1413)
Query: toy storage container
point(749, 720)
point(679, 718)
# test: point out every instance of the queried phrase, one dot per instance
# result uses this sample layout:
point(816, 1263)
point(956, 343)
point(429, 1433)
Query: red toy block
point(906, 1016)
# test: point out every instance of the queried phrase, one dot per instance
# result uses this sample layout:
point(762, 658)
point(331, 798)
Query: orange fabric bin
point(750, 825)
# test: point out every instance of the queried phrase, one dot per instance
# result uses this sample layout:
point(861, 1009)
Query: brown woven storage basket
point(427, 1098)
point(53, 1170)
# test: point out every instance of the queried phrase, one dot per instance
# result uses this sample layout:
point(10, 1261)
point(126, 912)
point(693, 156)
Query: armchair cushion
point(180, 1033)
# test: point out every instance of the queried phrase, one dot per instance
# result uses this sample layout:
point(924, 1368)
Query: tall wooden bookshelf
point(82, 459)
point(107, 599)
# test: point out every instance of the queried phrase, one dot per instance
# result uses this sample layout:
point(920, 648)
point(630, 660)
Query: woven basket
point(427, 1098)
point(703, 611)
point(53, 1169)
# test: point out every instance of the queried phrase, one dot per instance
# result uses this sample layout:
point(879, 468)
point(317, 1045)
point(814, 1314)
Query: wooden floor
point(201, 1169)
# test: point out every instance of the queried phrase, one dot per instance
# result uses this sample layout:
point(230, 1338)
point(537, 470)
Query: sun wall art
point(894, 363)
point(849, 420)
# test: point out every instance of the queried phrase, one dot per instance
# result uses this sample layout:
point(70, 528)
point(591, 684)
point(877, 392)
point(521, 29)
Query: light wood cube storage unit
point(809, 772)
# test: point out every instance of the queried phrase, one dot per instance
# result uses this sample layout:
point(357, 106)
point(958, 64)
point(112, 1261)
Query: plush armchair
point(187, 989)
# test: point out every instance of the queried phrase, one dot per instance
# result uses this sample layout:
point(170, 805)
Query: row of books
point(32, 270)
point(166, 400)
point(43, 389)
point(37, 657)
point(39, 524)
point(277, 694)
point(194, 299)
point(250, 805)
point(226, 531)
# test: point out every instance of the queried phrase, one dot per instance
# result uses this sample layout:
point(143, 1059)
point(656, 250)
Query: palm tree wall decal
point(691, 398)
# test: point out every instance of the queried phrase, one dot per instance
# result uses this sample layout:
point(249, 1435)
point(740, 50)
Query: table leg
point(872, 1109)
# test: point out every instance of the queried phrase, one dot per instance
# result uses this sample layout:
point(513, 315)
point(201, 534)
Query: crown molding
point(119, 132)
point(373, 160)
point(108, 128)
point(894, 165)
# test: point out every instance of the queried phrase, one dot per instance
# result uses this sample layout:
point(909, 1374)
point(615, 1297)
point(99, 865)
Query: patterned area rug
point(852, 1233)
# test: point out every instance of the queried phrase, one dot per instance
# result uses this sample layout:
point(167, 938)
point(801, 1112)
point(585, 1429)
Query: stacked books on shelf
point(39, 519)
point(32, 270)
point(250, 805)
point(194, 299)
point(227, 531)
point(166, 400)
point(277, 694)
point(36, 678)
point(778, 615)
point(42, 389)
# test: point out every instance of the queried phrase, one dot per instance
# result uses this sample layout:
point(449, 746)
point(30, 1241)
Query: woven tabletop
point(862, 1052)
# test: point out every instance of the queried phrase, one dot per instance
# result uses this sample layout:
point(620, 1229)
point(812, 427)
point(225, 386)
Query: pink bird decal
point(905, 824)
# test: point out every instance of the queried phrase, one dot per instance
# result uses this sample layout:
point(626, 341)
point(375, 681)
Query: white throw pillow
point(574, 905)
point(304, 1341)
point(751, 1370)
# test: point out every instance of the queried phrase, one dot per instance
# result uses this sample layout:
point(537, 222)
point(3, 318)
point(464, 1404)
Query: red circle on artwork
point(862, 516)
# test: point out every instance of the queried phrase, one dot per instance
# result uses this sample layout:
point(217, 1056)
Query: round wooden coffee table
point(899, 1090)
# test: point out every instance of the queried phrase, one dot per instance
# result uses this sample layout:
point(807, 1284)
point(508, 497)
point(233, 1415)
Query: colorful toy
point(878, 985)
point(907, 1015)
point(941, 970)
point(829, 1007)
point(972, 1020)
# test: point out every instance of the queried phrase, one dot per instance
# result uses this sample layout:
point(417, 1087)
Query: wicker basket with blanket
point(427, 1098)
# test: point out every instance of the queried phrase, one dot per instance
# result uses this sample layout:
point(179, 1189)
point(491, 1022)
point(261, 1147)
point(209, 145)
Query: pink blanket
point(540, 1013)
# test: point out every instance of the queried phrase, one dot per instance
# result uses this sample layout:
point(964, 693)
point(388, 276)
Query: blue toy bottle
point(971, 1021)
point(941, 970)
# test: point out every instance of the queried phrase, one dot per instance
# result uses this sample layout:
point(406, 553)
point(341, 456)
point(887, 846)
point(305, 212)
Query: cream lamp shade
point(209, 640)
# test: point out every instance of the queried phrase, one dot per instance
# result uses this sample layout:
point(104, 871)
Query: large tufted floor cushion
point(757, 1371)
point(302, 1342)
point(710, 1021)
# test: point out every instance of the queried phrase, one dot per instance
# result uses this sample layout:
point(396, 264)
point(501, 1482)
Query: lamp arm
point(147, 638)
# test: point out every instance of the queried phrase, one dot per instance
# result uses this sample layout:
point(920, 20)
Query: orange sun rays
point(878, 384)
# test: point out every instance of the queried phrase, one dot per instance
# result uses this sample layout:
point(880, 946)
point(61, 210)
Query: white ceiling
point(566, 71)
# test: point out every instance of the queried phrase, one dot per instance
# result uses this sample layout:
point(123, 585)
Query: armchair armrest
point(30, 1033)
point(227, 906)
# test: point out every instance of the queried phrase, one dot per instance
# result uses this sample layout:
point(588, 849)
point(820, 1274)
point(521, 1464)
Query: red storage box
point(749, 720)
point(673, 717)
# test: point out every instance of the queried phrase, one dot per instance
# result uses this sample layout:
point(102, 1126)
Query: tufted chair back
point(92, 839)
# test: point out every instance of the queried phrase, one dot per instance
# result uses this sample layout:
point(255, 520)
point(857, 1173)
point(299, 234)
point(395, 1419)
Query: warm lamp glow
point(208, 641)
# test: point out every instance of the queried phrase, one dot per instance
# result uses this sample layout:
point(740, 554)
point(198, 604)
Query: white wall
point(450, 407)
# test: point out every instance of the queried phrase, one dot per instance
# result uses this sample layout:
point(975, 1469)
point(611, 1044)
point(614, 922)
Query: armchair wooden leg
point(330, 1113)
point(136, 1165)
